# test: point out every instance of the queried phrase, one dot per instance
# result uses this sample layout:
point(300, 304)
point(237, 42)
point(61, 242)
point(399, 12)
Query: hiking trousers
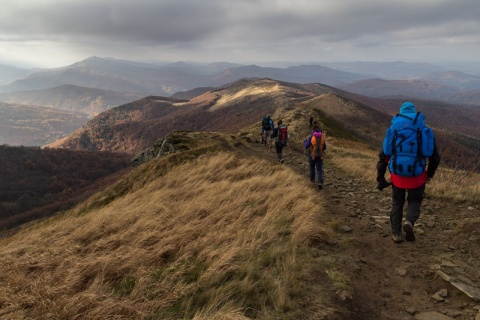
point(279, 149)
point(267, 136)
point(414, 199)
point(316, 164)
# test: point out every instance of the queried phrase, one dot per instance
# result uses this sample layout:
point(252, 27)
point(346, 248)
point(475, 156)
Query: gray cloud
point(130, 21)
point(248, 29)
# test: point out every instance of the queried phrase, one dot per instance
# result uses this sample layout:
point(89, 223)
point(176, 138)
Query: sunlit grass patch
point(360, 162)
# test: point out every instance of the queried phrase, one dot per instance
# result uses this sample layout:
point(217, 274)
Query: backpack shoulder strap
point(404, 116)
point(416, 117)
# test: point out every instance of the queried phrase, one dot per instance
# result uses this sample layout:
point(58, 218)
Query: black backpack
point(266, 123)
point(275, 133)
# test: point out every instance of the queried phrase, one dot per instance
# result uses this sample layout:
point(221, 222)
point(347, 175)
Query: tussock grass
point(458, 185)
point(359, 161)
point(219, 237)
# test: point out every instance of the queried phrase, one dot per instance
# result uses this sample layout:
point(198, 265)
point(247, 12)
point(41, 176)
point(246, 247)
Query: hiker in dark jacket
point(267, 130)
point(412, 186)
point(315, 156)
point(281, 137)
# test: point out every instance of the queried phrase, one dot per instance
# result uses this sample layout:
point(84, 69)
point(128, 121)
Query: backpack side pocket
point(388, 142)
point(427, 142)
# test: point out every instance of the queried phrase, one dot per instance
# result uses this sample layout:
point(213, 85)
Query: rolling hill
point(380, 88)
point(36, 126)
point(71, 98)
point(37, 183)
point(420, 89)
point(135, 126)
point(395, 70)
point(10, 73)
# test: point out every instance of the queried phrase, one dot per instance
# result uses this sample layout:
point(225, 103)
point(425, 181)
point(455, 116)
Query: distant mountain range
point(167, 79)
point(10, 73)
point(98, 84)
point(146, 79)
point(387, 70)
point(464, 90)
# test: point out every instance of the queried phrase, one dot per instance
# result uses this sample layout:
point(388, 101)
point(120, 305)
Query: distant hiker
point(267, 130)
point(316, 146)
point(280, 133)
point(311, 121)
point(407, 146)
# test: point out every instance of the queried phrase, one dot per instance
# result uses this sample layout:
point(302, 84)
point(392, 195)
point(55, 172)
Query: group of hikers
point(314, 143)
point(409, 151)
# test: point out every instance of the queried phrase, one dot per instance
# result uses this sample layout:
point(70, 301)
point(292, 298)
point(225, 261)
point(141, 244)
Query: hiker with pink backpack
point(316, 146)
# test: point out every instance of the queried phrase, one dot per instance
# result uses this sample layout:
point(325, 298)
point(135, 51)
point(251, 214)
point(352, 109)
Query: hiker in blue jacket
point(408, 167)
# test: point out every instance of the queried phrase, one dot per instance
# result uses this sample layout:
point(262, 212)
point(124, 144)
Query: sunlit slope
point(135, 126)
point(223, 235)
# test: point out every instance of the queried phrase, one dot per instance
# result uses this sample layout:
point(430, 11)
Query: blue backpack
point(408, 142)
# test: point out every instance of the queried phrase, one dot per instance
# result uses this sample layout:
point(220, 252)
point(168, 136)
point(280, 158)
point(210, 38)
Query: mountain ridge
point(136, 126)
point(220, 230)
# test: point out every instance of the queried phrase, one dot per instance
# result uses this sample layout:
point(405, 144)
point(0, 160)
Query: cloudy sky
point(53, 33)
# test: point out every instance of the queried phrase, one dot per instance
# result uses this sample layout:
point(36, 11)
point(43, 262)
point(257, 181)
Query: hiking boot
point(281, 161)
point(408, 228)
point(397, 238)
point(320, 186)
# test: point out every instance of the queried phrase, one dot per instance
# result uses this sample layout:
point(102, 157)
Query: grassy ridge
point(219, 237)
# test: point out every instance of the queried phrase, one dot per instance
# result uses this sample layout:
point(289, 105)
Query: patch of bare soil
point(407, 280)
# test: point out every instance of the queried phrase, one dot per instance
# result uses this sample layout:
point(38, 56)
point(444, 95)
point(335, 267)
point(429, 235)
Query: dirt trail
point(400, 281)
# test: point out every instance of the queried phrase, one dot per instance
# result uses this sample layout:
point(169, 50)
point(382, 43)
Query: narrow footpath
point(437, 277)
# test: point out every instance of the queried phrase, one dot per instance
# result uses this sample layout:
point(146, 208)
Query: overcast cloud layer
point(52, 33)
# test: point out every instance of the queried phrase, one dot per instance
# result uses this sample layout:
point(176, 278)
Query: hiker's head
point(279, 122)
point(268, 116)
point(407, 108)
point(316, 129)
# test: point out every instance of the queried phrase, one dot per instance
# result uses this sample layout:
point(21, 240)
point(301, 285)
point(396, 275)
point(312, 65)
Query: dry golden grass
point(219, 237)
point(359, 161)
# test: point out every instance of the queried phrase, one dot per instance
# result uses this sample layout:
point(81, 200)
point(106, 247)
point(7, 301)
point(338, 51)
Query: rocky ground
point(437, 277)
